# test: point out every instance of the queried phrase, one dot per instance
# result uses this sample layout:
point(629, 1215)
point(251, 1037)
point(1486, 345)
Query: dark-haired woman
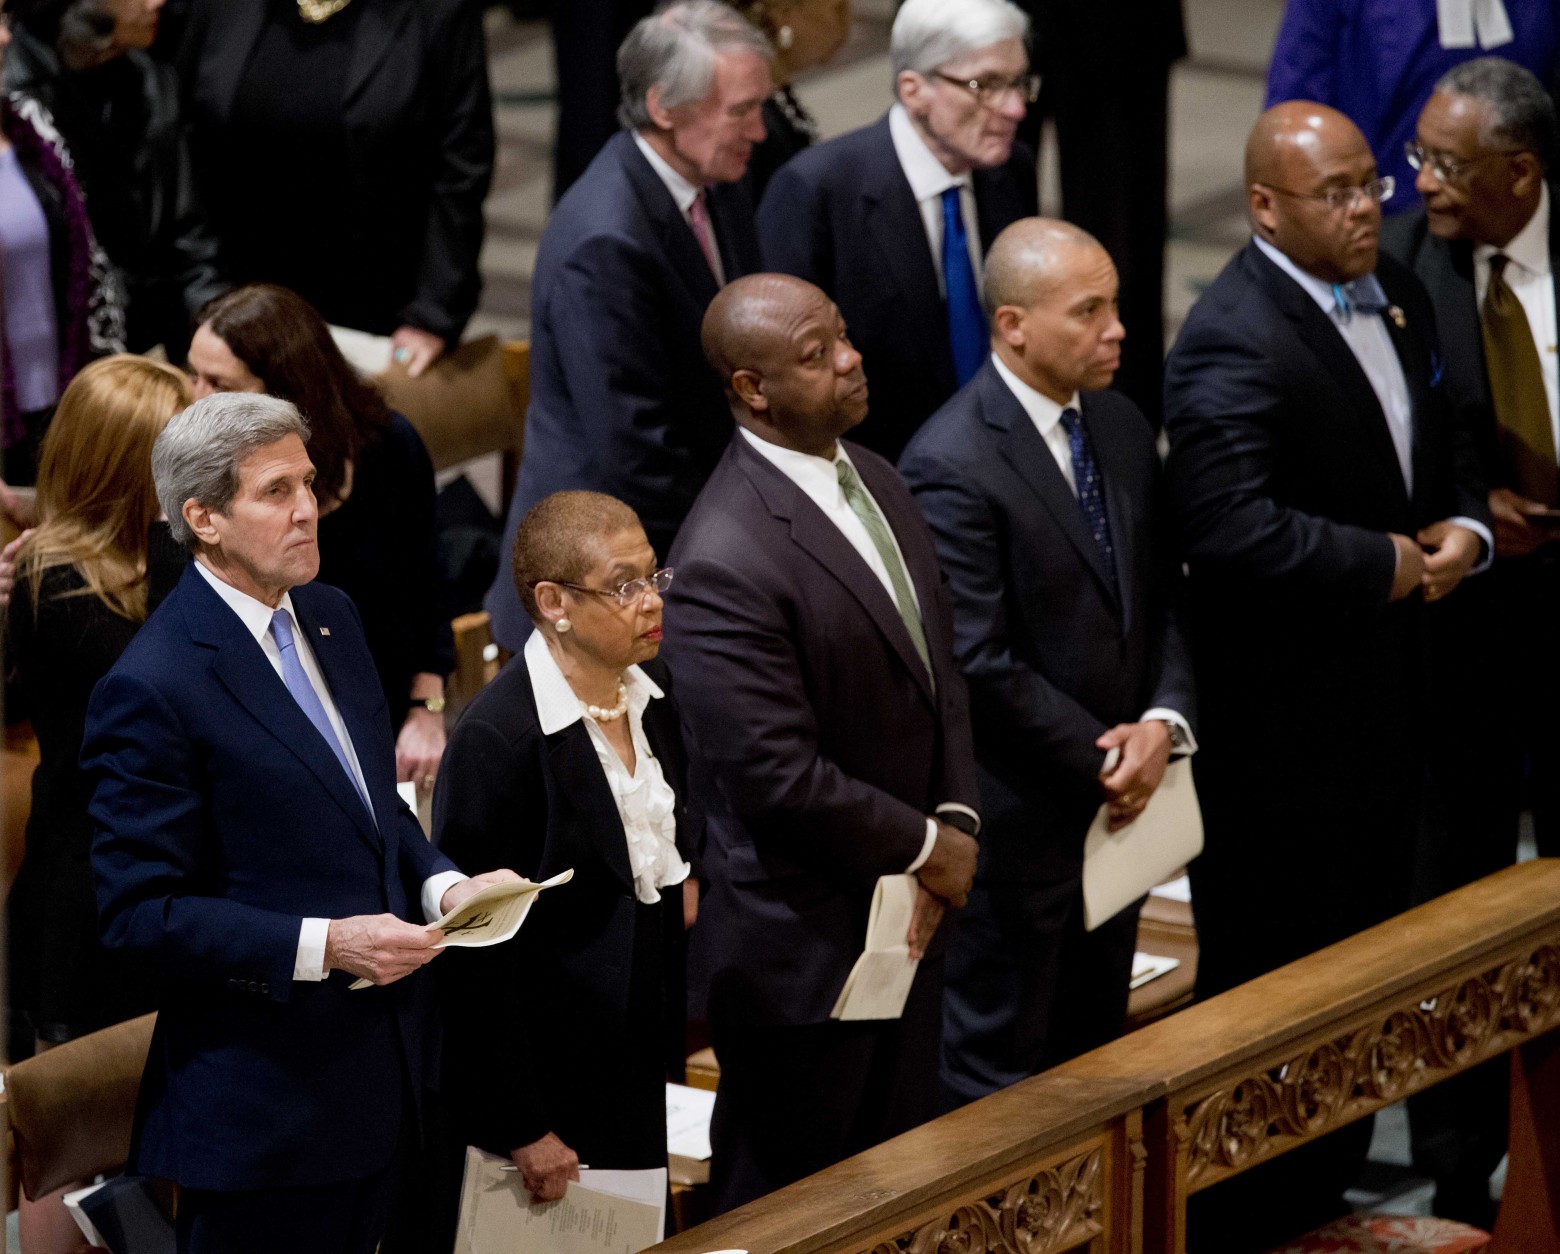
point(375, 486)
point(62, 301)
point(85, 62)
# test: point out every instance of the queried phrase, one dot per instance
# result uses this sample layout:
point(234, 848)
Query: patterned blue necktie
point(1363, 295)
point(297, 681)
point(1091, 488)
point(967, 333)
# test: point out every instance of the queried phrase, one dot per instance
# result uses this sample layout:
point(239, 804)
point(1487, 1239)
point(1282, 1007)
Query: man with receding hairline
point(1323, 495)
point(811, 635)
point(1042, 491)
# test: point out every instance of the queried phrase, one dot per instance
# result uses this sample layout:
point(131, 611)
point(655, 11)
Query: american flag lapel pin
point(324, 631)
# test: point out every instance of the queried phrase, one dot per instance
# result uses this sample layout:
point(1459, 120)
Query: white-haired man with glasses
point(892, 220)
point(1326, 502)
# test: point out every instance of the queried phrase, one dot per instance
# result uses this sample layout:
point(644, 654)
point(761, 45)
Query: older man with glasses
point(1484, 244)
point(892, 220)
point(1324, 498)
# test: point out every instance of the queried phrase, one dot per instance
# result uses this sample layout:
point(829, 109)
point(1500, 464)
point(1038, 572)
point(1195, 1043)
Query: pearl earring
point(563, 625)
point(784, 38)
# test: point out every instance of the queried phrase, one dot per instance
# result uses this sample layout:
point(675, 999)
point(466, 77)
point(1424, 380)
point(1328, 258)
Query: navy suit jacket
point(1054, 651)
point(841, 215)
point(223, 820)
point(1285, 482)
point(811, 710)
point(1445, 267)
point(622, 400)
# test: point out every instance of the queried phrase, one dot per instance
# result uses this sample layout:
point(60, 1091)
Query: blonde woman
point(85, 580)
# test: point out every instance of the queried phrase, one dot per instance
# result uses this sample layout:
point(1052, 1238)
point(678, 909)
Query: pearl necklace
point(609, 714)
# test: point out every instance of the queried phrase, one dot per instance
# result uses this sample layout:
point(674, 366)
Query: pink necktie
point(699, 220)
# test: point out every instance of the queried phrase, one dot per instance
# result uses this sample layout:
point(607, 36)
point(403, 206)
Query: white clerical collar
point(926, 175)
point(1463, 23)
point(1319, 290)
point(815, 475)
point(683, 192)
point(1042, 410)
point(556, 705)
point(1529, 247)
point(253, 613)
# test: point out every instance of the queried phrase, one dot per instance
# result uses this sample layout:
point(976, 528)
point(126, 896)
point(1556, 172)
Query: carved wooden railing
point(1101, 1154)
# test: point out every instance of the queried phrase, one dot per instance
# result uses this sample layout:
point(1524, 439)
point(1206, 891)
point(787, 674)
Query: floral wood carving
point(1404, 1050)
point(1056, 1210)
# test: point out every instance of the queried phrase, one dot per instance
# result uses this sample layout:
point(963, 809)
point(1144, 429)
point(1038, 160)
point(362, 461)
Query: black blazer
point(1054, 651)
point(510, 796)
point(1445, 267)
point(419, 126)
point(824, 737)
point(622, 400)
point(842, 215)
point(1285, 482)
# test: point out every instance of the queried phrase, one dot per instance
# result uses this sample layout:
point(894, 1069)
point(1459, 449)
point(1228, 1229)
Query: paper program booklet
point(879, 984)
point(1119, 867)
point(491, 915)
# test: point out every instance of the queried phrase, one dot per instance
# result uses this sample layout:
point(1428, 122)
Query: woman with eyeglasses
point(573, 758)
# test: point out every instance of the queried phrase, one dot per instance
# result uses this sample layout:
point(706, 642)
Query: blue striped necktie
point(1091, 488)
point(297, 681)
point(967, 333)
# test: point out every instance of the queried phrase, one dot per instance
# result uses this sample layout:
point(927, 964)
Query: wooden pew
point(1101, 1154)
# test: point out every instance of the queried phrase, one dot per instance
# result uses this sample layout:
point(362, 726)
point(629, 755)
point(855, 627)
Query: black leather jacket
point(121, 123)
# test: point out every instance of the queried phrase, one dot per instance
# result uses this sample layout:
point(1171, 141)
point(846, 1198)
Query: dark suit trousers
point(347, 1217)
point(1112, 136)
point(1028, 987)
point(797, 1098)
point(586, 35)
point(1498, 679)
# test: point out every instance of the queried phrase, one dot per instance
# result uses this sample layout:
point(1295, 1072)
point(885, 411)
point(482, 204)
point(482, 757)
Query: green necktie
point(864, 508)
point(1527, 442)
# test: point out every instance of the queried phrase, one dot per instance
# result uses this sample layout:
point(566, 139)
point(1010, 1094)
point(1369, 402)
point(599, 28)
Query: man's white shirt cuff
point(1162, 714)
point(1483, 532)
point(310, 962)
point(433, 890)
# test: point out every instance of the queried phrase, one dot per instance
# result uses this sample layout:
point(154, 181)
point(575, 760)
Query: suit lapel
point(821, 540)
point(676, 236)
point(243, 669)
point(1025, 450)
point(578, 771)
point(893, 222)
point(1316, 330)
point(379, 27)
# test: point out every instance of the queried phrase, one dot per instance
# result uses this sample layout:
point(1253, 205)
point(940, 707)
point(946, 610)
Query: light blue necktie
point(1363, 295)
point(967, 333)
point(297, 681)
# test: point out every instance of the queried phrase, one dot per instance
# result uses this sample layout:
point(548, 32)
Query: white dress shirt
point(1368, 339)
point(645, 801)
point(928, 180)
point(1530, 276)
point(684, 193)
point(256, 617)
point(819, 480)
point(1046, 414)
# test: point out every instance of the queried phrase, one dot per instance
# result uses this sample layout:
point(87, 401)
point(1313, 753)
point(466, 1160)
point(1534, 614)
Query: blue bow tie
point(1363, 295)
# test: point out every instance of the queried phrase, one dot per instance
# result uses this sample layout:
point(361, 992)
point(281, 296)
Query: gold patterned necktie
point(866, 509)
point(1527, 442)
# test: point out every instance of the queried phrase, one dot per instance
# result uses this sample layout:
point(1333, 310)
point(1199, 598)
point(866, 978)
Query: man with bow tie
point(251, 848)
point(1324, 495)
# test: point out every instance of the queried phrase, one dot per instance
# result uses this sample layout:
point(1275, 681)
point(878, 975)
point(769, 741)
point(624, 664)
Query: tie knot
point(281, 629)
point(846, 474)
point(1071, 421)
point(1498, 263)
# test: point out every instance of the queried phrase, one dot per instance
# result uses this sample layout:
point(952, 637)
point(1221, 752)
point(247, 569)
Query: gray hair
point(930, 33)
point(198, 454)
point(676, 48)
point(1522, 115)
